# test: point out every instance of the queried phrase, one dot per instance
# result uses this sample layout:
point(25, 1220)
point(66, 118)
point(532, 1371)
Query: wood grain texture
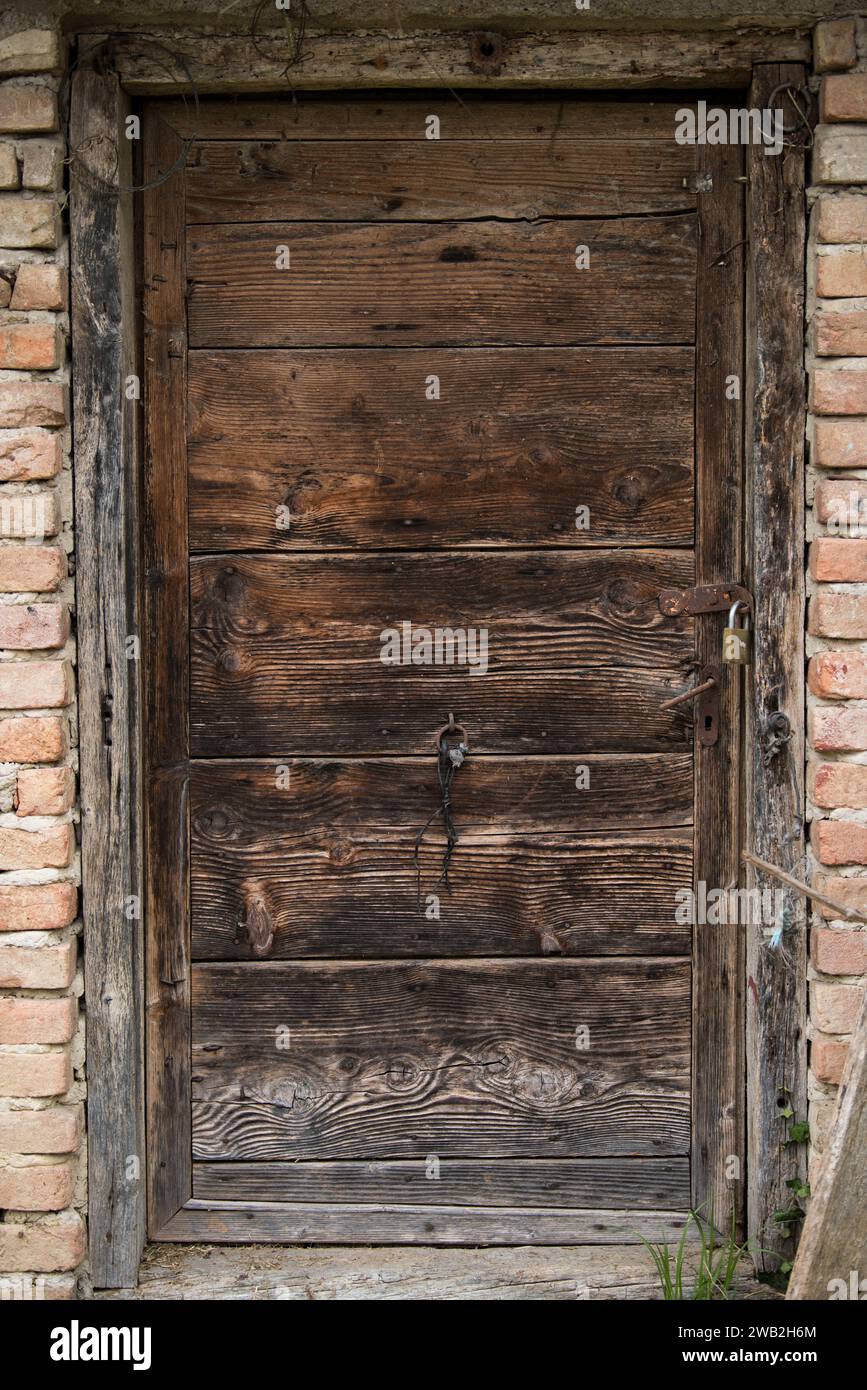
point(359, 284)
point(833, 1240)
point(350, 444)
point(642, 1184)
point(717, 1038)
point(589, 59)
point(332, 858)
point(774, 795)
point(401, 1059)
point(166, 644)
point(479, 116)
point(365, 1223)
point(109, 696)
point(272, 635)
point(434, 180)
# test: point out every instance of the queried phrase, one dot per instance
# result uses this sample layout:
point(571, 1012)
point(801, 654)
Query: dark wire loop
point(449, 759)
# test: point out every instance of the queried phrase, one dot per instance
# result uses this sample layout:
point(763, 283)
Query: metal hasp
point(705, 598)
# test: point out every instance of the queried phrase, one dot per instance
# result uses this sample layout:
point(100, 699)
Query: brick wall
point(837, 635)
point(41, 1045)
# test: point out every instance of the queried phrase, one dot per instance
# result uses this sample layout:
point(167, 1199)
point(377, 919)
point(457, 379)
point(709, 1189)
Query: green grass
point(718, 1263)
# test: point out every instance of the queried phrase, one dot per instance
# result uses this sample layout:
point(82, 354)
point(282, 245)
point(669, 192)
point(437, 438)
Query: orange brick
point(27, 110)
point(841, 951)
point(841, 392)
point(838, 675)
point(841, 505)
point(838, 615)
point(53, 1244)
point(834, 46)
point(44, 791)
point(37, 907)
point(39, 286)
point(840, 330)
point(37, 967)
point(25, 403)
point(841, 271)
point(30, 347)
point(844, 98)
point(35, 1074)
point(37, 1021)
point(839, 730)
point(827, 1060)
point(840, 444)
point(37, 1187)
point(842, 218)
point(35, 685)
point(54, 1131)
point(29, 515)
point(837, 785)
point(29, 455)
point(33, 626)
point(36, 849)
point(839, 842)
point(31, 568)
point(834, 1008)
point(838, 560)
point(41, 739)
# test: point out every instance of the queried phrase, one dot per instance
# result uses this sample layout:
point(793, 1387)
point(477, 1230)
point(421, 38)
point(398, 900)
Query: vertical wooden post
point(104, 431)
point(775, 417)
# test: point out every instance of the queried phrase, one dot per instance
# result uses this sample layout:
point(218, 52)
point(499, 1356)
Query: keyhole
point(487, 49)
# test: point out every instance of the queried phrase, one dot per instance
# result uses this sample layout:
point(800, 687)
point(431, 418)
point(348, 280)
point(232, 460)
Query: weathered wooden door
point(440, 395)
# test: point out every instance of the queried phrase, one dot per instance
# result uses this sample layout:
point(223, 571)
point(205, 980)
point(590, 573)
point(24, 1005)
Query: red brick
point(44, 791)
point(839, 156)
point(28, 222)
point(840, 444)
point(29, 455)
point(827, 1060)
point(839, 730)
point(27, 110)
point(37, 1021)
point(841, 218)
point(37, 1187)
point(850, 892)
point(41, 739)
point(841, 271)
point(55, 1243)
point(834, 785)
point(840, 330)
point(839, 842)
point(37, 907)
point(841, 951)
point(841, 392)
point(838, 560)
point(30, 50)
point(24, 403)
point(844, 98)
point(834, 1008)
point(834, 46)
point(28, 347)
point(35, 685)
point(33, 626)
point(838, 615)
point(838, 675)
point(29, 515)
point(54, 1131)
point(37, 967)
point(35, 1074)
point(36, 849)
point(31, 568)
point(39, 286)
point(841, 505)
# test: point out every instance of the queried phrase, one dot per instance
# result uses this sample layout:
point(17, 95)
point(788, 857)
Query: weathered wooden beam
point(108, 701)
point(774, 412)
point(162, 62)
point(832, 1243)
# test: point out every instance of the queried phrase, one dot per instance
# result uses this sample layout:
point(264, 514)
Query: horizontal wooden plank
point(644, 1184)
point(308, 1223)
point(403, 1059)
point(533, 117)
point(434, 180)
point(294, 450)
point(239, 63)
point(331, 856)
point(287, 652)
point(448, 283)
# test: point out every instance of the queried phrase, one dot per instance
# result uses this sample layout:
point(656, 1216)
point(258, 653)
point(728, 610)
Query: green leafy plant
point(718, 1262)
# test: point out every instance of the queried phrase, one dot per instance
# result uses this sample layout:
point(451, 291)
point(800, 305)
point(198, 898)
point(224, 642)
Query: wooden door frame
point(108, 454)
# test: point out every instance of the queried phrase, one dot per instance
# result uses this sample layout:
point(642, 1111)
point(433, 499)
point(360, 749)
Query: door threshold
point(366, 1273)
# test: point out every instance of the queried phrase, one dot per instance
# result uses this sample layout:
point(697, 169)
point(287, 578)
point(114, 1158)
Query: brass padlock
point(736, 640)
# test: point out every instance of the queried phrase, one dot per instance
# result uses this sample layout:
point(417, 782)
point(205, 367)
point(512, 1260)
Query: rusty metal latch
point(704, 598)
point(706, 693)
